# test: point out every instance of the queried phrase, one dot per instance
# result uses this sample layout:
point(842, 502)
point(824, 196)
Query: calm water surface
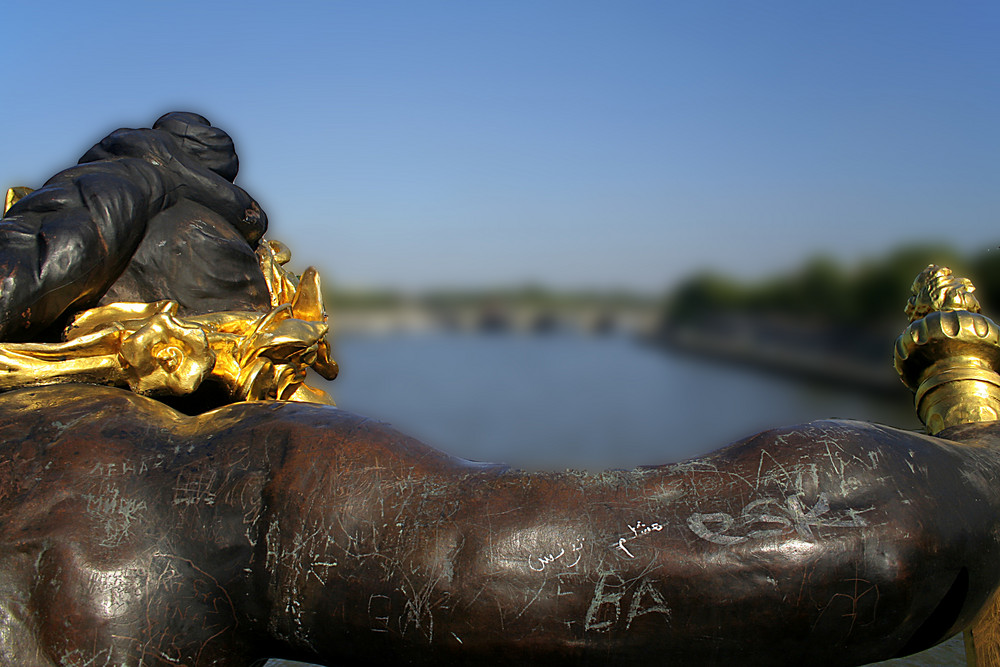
point(577, 401)
point(573, 401)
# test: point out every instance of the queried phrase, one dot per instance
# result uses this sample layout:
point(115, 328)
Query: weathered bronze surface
point(147, 215)
point(130, 533)
point(133, 534)
point(150, 227)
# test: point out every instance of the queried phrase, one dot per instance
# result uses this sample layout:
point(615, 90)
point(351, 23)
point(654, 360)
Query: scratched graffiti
point(839, 461)
point(379, 612)
point(124, 467)
point(780, 491)
point(116, 514)
point(618, 603)
point(566, 558)
point(418, 608)
point(183, 588)
point(115, 591)
point(638, 531)
point(771, 517)
point(196, 488)
point(85, 658)
point(285, 558)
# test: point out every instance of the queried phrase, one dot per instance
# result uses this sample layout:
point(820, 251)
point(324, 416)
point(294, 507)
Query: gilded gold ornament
point(14, 195)
point(949, 354)
point(154, 351)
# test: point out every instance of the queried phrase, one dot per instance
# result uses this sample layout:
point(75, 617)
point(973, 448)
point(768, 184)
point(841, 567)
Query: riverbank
point(817, 357)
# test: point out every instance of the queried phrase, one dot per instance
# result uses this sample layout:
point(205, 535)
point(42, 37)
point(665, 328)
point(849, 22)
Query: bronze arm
point(131, 533)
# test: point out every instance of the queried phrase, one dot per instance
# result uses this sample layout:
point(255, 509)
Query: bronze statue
point(131, 533)
point(149, 265)
point(146, 215)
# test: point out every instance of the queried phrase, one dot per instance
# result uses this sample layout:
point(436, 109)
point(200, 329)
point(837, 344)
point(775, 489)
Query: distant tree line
point(871, 295)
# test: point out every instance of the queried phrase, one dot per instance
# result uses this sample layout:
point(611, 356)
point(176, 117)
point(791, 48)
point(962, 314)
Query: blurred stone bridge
point(486, 317)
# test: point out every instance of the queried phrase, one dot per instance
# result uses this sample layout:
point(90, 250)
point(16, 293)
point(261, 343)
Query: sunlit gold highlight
point(154, 351)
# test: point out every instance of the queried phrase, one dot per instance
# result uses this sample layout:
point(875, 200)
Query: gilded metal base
point(948, 358)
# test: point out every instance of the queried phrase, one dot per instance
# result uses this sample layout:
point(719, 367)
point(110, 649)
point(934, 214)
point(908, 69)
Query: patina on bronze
point(131, 533)
point(147, 214)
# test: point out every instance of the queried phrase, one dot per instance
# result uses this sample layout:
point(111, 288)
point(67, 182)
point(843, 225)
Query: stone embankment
point(848, 359)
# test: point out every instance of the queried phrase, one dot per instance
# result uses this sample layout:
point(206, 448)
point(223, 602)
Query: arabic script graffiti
point(640, 529)
point(538, 563)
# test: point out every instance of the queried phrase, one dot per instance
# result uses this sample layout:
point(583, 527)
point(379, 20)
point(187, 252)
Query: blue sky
point(601, 144)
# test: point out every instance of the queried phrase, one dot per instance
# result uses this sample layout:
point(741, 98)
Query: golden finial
point(949, 353)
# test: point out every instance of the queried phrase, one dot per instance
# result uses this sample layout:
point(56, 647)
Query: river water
point(558, 401)
point(574, 401)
